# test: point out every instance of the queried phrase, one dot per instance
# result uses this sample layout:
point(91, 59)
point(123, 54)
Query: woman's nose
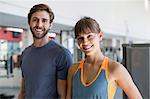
point(85, 40)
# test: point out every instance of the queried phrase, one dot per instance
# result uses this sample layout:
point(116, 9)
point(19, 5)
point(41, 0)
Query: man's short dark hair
point(41, 7)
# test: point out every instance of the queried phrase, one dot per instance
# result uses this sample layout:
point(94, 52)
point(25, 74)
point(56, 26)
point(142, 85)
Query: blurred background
point(125, 24)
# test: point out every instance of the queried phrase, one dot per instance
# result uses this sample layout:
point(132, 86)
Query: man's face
point(39, 24)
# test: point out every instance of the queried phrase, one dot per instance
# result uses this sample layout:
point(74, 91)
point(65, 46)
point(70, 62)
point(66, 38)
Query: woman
point(96, 76)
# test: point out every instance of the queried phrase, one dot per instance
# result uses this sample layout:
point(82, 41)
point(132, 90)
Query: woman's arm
point(125, 81)
point(71, 72)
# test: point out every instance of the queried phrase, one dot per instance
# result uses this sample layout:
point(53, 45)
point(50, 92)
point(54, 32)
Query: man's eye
point(45, 20)
point(33, 20)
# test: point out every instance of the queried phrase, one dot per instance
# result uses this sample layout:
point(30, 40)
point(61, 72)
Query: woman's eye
point(79, 39)
point(90, 36)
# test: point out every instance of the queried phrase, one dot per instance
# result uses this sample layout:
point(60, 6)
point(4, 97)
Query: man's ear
point(51, 25)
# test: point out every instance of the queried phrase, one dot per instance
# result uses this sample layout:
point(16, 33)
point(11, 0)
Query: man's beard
point(39, 37)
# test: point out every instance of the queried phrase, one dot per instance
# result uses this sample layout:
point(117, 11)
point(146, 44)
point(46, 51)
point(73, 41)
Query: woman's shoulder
point(73, 69)
point(114, 67)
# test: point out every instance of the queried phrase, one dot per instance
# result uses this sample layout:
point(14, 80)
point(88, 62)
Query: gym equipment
point(136, 58)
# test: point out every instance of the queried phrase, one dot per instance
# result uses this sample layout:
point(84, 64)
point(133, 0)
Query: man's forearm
point(21, 95)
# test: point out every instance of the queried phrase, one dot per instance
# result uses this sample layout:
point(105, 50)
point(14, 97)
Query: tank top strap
point(105, 63)
point(81, 64)
point(105, 66)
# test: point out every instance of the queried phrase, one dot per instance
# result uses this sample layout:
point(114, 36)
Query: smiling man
point(45, 63)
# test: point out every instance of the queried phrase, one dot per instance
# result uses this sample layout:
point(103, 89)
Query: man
point(45, 63)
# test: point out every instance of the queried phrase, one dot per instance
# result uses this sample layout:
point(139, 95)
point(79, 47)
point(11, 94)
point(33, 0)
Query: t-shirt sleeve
point(64, 61)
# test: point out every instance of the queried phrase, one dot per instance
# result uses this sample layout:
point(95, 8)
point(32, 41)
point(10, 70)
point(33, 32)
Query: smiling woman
point(96, 76)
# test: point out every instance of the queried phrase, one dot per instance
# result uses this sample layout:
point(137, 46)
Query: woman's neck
point(94, 59)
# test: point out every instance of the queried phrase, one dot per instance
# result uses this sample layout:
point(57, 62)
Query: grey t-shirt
point(41, 67)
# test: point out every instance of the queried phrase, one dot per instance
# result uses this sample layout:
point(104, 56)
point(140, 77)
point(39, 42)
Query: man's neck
point(40, 42)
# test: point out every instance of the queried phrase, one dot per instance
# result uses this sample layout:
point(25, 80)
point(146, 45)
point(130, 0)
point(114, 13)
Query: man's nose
point(39, 23)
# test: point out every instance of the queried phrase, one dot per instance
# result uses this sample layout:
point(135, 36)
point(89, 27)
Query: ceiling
point(9, 20)
point(13, 21)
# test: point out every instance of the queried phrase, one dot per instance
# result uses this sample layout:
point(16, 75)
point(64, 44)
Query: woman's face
point(89, 42)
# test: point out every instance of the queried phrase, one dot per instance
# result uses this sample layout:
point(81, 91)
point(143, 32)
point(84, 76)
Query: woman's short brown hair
point(86, 24)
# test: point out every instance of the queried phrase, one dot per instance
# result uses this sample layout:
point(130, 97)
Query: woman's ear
point(101, 35)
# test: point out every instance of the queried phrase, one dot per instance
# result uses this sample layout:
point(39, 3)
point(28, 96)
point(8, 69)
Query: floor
point(14, 91)
point(9, 92)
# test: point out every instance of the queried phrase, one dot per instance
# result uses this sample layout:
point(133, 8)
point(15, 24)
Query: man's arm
point(64, 62)
point(61, 88)
point(69, 83)
point(22, 90)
